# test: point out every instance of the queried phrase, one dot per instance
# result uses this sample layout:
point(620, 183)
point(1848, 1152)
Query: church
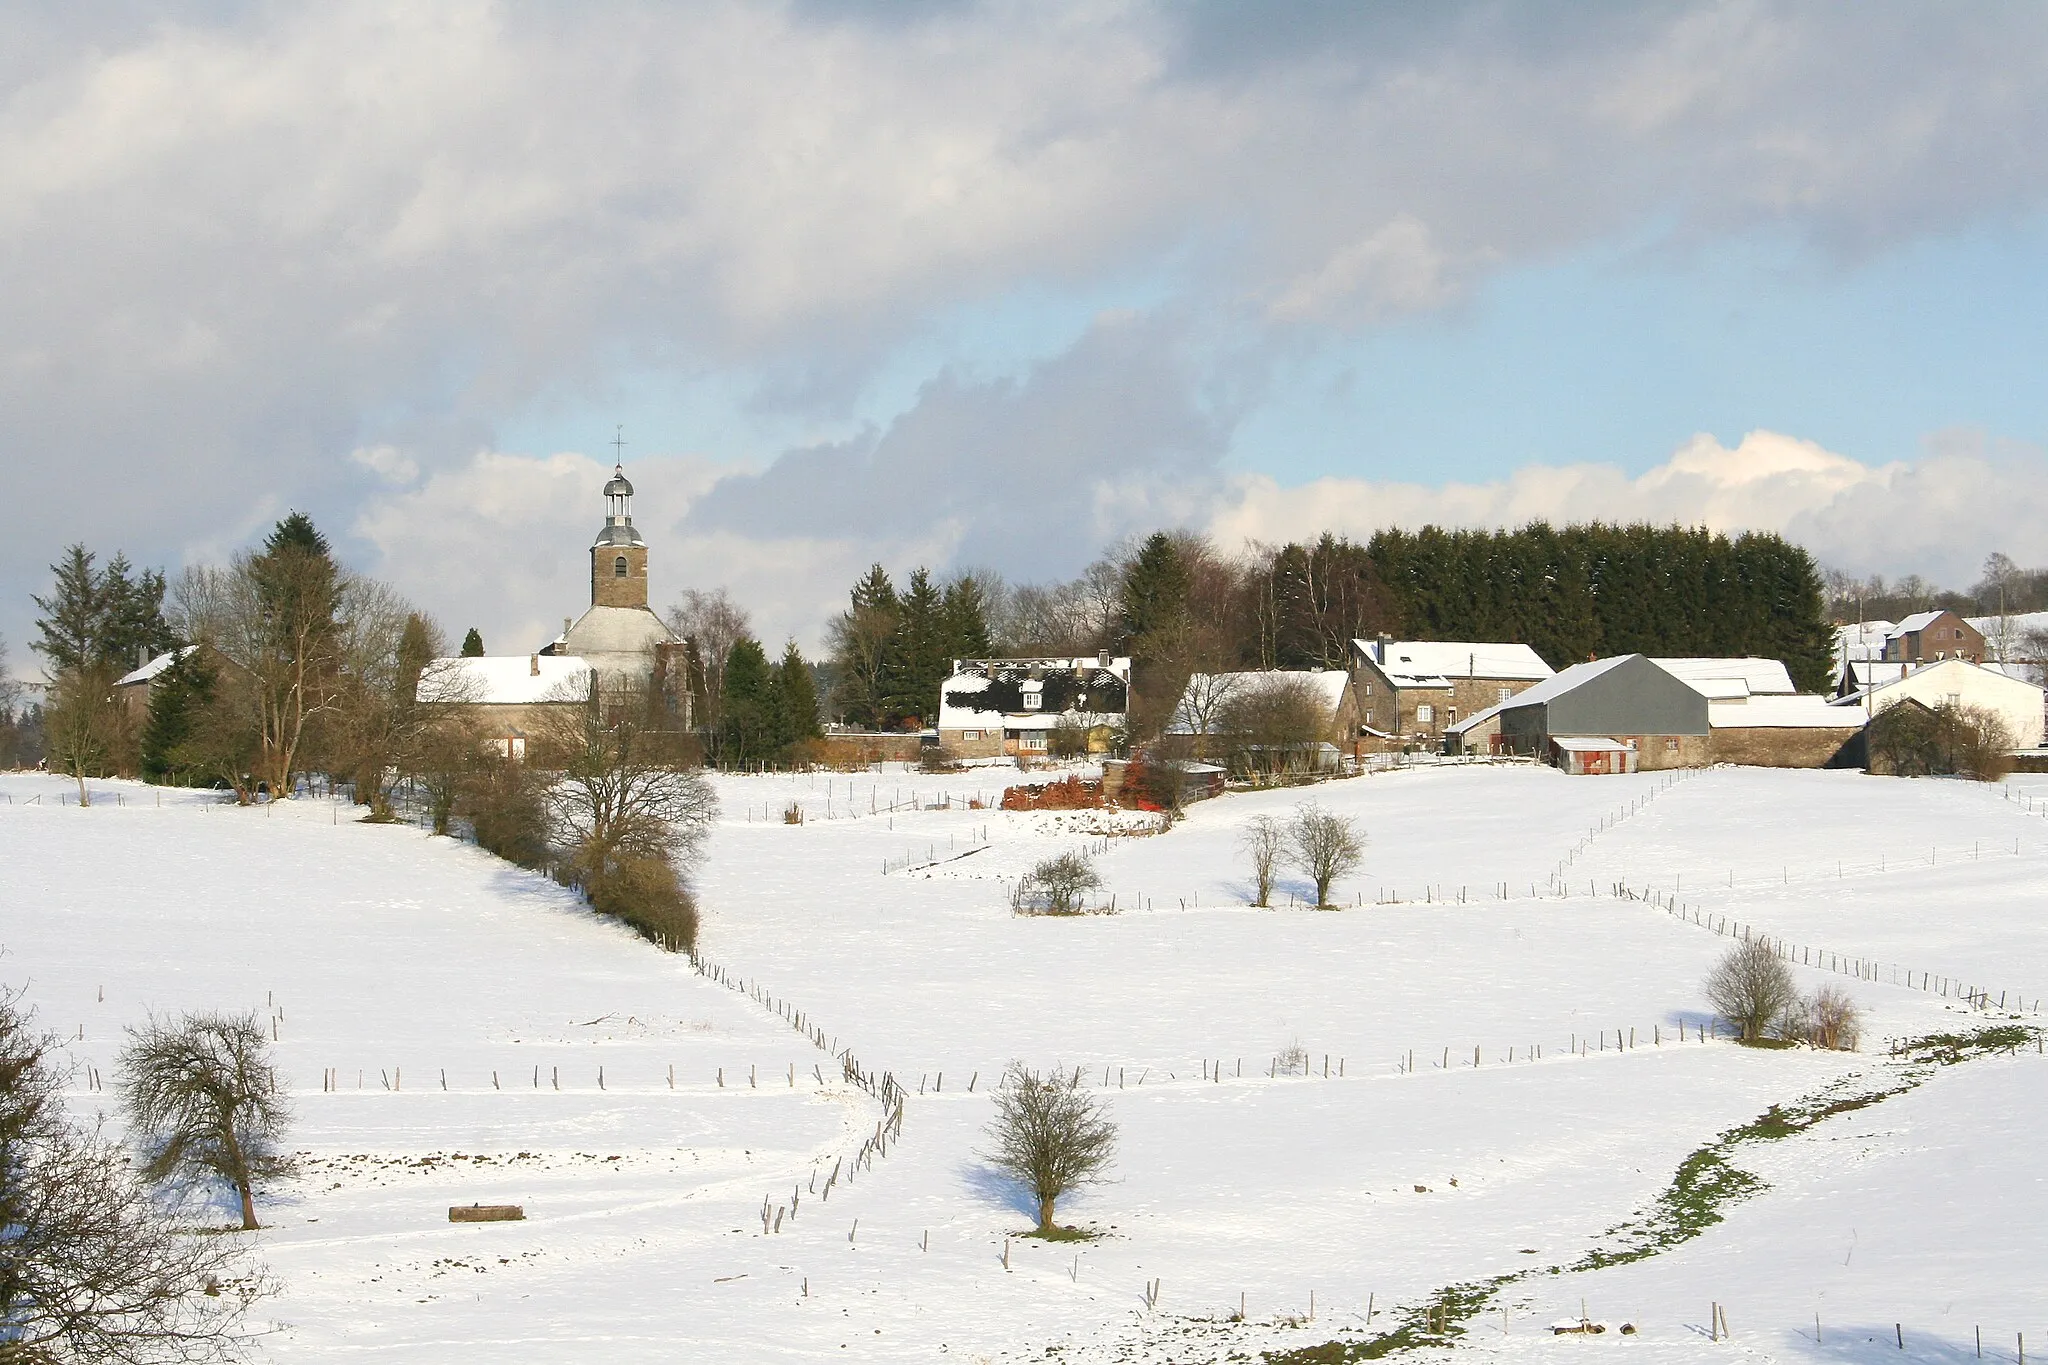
point(618, 640)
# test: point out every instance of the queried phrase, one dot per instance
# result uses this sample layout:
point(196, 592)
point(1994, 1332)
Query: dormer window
point(619, 567)
point(1034, 701)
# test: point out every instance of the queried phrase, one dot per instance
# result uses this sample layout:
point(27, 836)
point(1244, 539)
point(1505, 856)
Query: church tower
point(618, 558)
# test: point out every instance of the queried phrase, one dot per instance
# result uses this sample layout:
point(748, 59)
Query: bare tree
point(1751, 988)
point(714, 623)
point(1833, 1019)
point(1264, 842)
point(1326, 846)
point(628, 786)
point(1201, 710)
point(85, 725)
point(1049, 1134)
point(91, 1268)
point(1270, 723)
point(1060, 882)
point(205, 1100)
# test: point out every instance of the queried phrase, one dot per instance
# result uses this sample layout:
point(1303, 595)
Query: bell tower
point(618, 558)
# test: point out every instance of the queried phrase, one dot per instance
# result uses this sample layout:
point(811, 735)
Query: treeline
point(747, 710)
point(1179, 606)
point(2002, 588)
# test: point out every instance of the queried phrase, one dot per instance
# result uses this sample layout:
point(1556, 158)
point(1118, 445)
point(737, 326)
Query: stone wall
point(1763, 746)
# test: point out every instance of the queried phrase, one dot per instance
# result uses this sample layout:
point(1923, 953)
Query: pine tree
point(473, 644)
point(965, 617)
point(863, 644)
point(1155, 591)
point(748, 717)
point(796, 698)
point(69, 630)
point(181, 692)
point(920, 661)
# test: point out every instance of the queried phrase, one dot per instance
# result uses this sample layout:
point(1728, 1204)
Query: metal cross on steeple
point(619, 446)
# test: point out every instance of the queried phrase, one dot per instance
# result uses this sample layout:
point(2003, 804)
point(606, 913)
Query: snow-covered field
point(488, 1040)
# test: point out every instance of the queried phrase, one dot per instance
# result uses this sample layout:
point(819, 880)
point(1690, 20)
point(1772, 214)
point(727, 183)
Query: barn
point(1627, 700)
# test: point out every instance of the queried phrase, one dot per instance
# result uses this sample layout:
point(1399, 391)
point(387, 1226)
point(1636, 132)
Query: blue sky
point(987, 284)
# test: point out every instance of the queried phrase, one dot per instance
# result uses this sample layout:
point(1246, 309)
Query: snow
point(505, 679)
point(1484, 918)
point(1719, 678)
point(1408, 661)
point(150, 670)
point(1783, 713)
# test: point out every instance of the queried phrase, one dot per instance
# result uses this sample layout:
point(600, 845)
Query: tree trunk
point(83, 798)
point(1045, 1213)
point(249, 1223)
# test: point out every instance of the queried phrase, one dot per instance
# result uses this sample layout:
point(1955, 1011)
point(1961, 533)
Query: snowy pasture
point(1496, 1081)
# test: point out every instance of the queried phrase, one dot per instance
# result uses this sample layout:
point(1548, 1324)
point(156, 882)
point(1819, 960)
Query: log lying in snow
point(1577, 1327)
point(486, 1213)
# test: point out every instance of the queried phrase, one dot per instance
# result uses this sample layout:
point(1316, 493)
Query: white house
point(2017, 703)
point(994, 707)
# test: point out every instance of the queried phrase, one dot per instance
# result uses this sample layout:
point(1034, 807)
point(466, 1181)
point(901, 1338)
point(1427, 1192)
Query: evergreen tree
point(920, 661)
point(965, 617)
point(796, 697)
point(181, 693)
point(863, 645)
point(748, 717)
point(473, 644)
point(69, 631)
point(1155, 591)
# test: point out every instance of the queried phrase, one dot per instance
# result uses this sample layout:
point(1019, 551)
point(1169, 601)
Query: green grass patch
point(1057, 1233)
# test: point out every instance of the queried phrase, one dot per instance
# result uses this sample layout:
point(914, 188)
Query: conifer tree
point(920, 657)
point(473, 644)
point(748, 718)
point(863, 644)
point(181, 693)
point(1155, 591)
point(965, 616)
point(69, 632)
point(796, 698)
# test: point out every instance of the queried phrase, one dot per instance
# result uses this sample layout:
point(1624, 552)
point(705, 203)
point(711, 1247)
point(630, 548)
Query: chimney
point(1380, 651)
point(1102, 658)
point(566, 623)
point(533, 666)
point(142, 656)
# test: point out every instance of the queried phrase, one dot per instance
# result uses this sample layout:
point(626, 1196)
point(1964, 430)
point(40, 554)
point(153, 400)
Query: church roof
point(616, 631)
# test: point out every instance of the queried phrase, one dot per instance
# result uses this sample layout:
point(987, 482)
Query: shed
point(1586, 756)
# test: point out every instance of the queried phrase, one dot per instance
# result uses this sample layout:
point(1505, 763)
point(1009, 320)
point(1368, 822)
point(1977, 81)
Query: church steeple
point(618, 558)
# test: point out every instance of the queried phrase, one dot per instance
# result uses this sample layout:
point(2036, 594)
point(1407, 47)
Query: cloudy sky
point(996, 284)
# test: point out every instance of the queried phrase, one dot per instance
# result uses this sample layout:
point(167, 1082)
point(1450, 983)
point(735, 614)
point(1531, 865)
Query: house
point(1410, 693)
point(2017, 702)
point(1011, 707)
point(1931, 636)
point(1229, 715)
point(511, 696)
point(1776, 731)
point(135, 689)
point(1627, 700)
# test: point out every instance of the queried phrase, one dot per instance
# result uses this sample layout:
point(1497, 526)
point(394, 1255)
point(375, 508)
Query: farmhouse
point(990, 708)
point(511, 695)
point(1410, 693)
point(135, 689)
point(2016, 702)
point(1627, 700)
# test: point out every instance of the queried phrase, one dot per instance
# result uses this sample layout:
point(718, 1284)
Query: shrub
point(793, 813)
point(1833, 1020)
point(202, 1095)
point(937, 758)
point(1291, 1060)
point(1752, 989)
point(505, 803)
point(1909, 739)
point(1264, 842)
point(1059, 883)
point(645, 892)
point(1050, 1134)
point(1069, 739)
point(1326, 847)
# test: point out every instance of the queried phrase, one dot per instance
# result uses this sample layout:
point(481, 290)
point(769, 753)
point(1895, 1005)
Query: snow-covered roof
point(506, 679)
point(1475, 720)
point(616, 631)
point(954, 717)
point(1781, 713)
point(1586, 744)
point(1425, 663)
point(1559, 684)
point(1727, 679)
point(1119, 665)
point(1919, 620)
point(1863, 640)
point(149, 671)
point(1325, 684)
point(1874, 672)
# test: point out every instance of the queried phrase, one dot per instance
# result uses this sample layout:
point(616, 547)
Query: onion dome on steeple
point(618, 511)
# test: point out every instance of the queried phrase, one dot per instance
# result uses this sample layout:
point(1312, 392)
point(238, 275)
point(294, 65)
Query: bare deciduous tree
point(1326, 846)
point(1833, 1020)
point(1059, 883)
point(205, 1101)
point(1050, 1135)
point(1264, 843)
point(85, 724)
point(713, 623)
point(628, 787)
point(1270, 723)
point(1751, 988)
point(91, 1268)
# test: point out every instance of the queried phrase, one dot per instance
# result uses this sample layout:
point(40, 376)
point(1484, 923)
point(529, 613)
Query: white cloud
point(390, 464)
point(1936, 516)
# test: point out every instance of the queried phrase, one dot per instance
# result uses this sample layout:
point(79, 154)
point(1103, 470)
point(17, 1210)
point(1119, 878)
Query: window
point(619, 567)
point(1368, 689)
point(1032, 739)
point(970, 734)
point(1671, 745)
point(1425, 714)
point(1034, 701)
point(1450, 714)
point(1503, 694)
point(1368, 717)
